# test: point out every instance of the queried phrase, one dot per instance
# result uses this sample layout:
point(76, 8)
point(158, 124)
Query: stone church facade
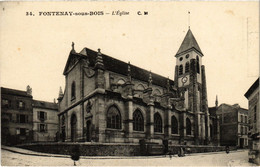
point(109, 101)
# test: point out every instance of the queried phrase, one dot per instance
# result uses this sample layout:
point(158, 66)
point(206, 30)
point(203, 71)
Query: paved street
point(21, 157)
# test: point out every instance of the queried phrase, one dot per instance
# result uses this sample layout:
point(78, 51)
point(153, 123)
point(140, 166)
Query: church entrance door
point(88, 130)
point(73, 128)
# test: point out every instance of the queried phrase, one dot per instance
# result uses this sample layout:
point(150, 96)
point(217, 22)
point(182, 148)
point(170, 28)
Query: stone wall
point(85, 149)
point(114, 149)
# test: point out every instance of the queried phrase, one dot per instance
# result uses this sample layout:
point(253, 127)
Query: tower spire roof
point(188, 43)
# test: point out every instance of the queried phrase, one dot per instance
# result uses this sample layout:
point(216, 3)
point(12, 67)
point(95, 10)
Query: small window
point(21, 118)
point(6, 117)
point(245, 119)
point(42, 115)
point(241, 118)
point(255, 113)
point(6, 103)
point(42, 127)
point(21, 105)
point(187, 67)
point(22, 131)
point(180, 70)
point(174, 125)
point(181, 59)
point(198, 65)
point(157, 123)
point(187, 56)
point(188, 126)
point(63, 120)
point(73, 90)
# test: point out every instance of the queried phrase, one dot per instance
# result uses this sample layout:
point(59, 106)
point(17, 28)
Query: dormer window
point(73, 90)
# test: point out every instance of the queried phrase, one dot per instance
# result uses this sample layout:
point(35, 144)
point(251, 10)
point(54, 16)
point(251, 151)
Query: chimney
point(29, 90)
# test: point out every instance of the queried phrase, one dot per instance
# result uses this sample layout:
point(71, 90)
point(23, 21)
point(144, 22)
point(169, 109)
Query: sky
point(34, 49)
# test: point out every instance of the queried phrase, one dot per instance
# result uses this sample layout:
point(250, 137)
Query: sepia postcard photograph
point(129, 83)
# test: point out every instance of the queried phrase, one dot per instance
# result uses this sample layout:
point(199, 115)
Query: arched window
point(138, 121)
point(180, 70)
point(188, 126)
point(73, 90)
point(157, 123)
point(113, 118)
point(174, 125)
point(187, 67)
point(198, 65)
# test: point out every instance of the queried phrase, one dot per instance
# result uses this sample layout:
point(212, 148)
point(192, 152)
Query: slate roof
point(252, 88)
point(45, 105)
point(121, 67)
point(188, 43)
point(14, 92)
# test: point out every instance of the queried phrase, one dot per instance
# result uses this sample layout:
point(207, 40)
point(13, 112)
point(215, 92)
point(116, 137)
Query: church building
point(110, 101)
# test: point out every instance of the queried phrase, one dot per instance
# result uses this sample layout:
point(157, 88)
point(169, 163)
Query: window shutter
point(26, 118)
point(38, 115)
point(45, 116)
point(17, 118)
point(38, 127)
point(46, 127)
point(17, 131)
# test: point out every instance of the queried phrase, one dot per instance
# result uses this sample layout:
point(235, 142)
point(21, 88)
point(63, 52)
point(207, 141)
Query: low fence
point(116, 149)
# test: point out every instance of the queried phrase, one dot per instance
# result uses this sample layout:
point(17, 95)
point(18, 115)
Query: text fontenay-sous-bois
point(89, 13)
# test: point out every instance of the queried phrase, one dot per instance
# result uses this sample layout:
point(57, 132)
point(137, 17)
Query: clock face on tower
point(184, 79)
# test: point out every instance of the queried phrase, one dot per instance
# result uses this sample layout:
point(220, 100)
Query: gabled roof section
point(72, 59)
point(252, 88)
point(45, 105)
point(118, 66)
point(188, 43)
point(14, 92)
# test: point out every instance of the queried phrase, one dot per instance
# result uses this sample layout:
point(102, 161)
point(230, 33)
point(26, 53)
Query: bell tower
point(190, 79)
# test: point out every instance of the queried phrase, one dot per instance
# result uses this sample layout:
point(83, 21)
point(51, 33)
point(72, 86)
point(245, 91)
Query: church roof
point(121, 67)
point(189, 42)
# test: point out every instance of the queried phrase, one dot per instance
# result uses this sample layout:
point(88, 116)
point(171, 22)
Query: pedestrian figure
point(181, 153)
point(227, 149)
point(170, 155)
point(75, 155)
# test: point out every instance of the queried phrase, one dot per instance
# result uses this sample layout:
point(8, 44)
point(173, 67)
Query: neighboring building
point(254, 122)
point(233, 124)
point(107, 100)
point(45, 121)
point(16, 116)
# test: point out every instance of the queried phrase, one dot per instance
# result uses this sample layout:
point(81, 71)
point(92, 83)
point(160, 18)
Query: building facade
point(16, 116)
point(233, 125)
point(254, 122)
point(45, 121)
point(107, 100)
